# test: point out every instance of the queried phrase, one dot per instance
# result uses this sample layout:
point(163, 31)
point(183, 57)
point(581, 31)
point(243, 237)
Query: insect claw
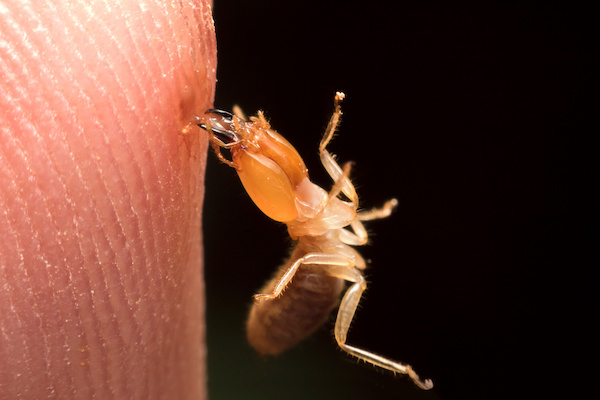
point(260, 297)
point(425, 385)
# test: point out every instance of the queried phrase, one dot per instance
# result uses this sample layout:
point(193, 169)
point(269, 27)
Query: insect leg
point(237, 111)
point(359, 236)
point(339, 176)
point(217, 149)
point(315, 259)
point(344, 319)
point(334, 121)
point(341, 182)
point(378, 212)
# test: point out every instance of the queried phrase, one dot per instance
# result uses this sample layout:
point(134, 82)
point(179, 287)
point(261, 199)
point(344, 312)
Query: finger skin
point(101, 189)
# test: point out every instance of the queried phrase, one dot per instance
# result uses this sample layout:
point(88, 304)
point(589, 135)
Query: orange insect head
point(269, 167)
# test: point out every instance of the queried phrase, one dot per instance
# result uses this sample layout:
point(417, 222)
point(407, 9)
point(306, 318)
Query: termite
point(324, 226)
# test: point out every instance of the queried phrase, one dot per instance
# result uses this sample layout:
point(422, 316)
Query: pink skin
point(101, 189)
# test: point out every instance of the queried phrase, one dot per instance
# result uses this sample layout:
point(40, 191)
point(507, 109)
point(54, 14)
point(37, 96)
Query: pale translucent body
point(324, 225)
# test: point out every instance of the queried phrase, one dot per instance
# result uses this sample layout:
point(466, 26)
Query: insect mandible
point(307, 287)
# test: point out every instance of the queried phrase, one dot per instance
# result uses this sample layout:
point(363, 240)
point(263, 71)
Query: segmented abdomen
point(279, 324)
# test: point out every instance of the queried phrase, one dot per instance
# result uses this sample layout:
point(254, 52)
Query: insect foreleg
point(334, 121)
point(342, 181)
point(339, 176)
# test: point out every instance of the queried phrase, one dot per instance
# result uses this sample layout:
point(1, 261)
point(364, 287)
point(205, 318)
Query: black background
point(474, 117)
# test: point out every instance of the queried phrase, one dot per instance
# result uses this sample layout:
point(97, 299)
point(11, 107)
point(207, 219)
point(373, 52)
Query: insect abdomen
point(279, 324)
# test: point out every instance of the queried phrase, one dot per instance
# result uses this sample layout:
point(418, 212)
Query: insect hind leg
point(315, 261)
point(345, 316)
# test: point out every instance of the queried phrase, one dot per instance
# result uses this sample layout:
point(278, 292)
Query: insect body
point(302, 294)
